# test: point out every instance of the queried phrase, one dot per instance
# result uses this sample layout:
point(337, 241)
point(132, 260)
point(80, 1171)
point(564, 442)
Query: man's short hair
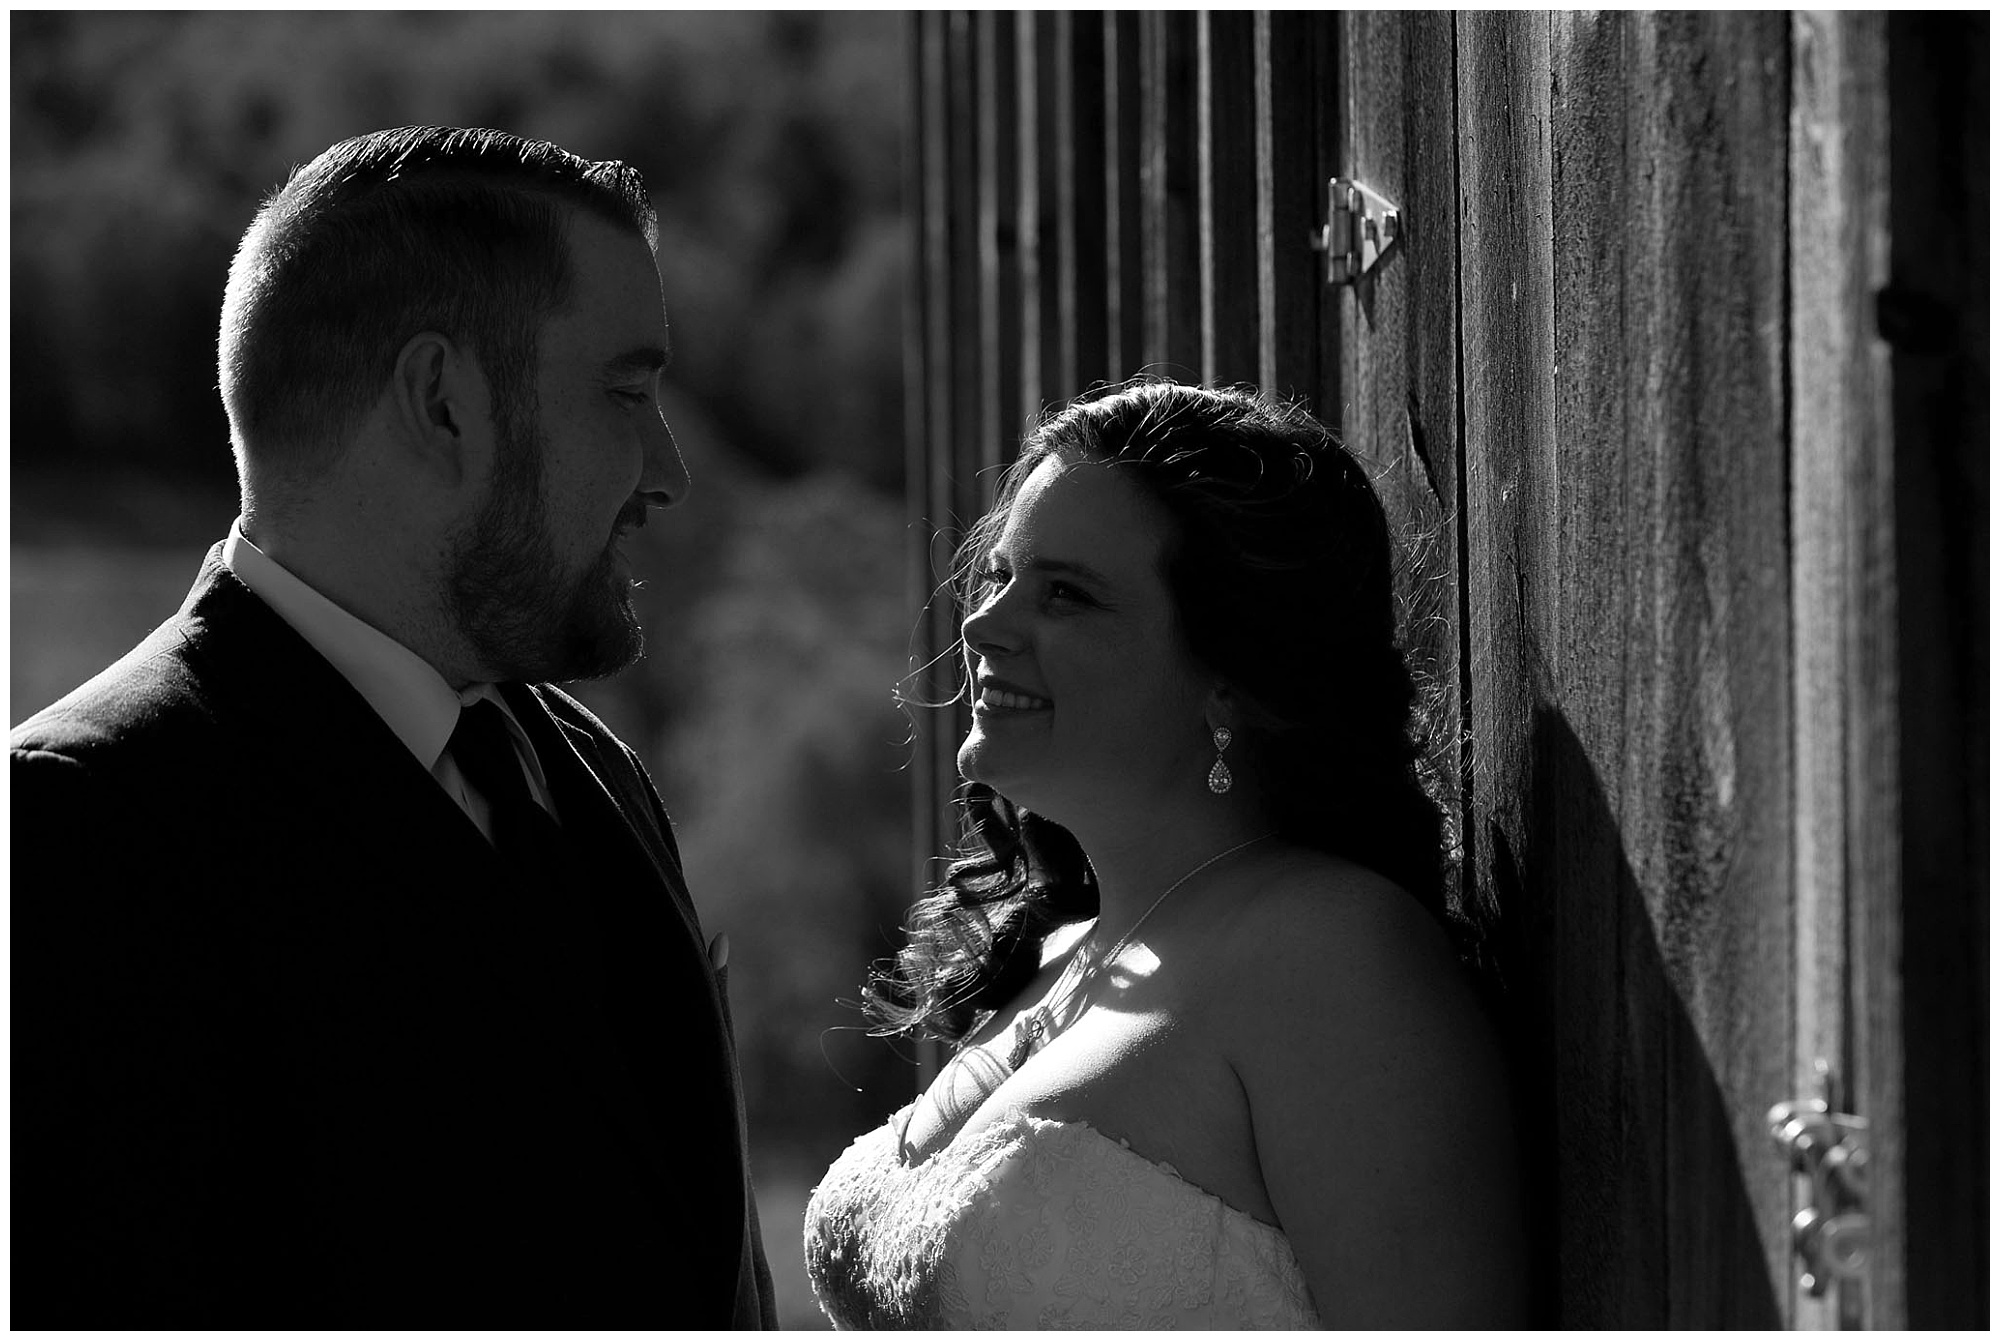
point(385, 235)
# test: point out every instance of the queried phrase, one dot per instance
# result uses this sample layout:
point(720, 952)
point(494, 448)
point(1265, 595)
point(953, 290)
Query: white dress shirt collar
point(405, 691)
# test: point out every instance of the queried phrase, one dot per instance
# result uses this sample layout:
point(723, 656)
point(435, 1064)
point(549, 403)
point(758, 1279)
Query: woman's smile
point(994, 698)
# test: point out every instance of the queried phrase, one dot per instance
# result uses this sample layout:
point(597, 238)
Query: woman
point(1217, 1064)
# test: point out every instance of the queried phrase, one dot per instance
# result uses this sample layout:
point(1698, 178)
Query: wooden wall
point(1841, 431)
point(1622, 256)
point(1095, 195)
point(1692, 503)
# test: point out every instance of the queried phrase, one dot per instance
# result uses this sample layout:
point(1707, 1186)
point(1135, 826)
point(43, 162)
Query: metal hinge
point(1830, 1148)
point(1361, 224)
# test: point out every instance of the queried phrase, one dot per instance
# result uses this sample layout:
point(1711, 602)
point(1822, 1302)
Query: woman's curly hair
point(1283, 578)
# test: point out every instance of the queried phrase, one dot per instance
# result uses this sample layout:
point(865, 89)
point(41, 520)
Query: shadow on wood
point(1610, 1131)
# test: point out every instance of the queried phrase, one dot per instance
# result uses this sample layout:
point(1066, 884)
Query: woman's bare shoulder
point(1316, 941)
point(1348, 1014)
point(1308, 912)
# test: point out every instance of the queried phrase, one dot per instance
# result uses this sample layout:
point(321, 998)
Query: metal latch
point(1831, 1149)
point(1360, 225)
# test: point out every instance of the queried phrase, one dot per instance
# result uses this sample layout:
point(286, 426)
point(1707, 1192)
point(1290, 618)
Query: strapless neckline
point(1031, 1122)
point(1034, 1222)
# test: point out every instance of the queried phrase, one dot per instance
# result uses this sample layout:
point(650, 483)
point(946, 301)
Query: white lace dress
point(1031, 1223)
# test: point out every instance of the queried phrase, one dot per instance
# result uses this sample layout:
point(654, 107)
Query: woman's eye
point(987, 581)
point(630, 397)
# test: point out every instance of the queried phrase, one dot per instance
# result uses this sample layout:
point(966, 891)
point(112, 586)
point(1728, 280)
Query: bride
point(1216, 1062)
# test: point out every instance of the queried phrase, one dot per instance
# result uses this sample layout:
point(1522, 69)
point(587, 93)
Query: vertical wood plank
point(1029, 221)
point(1085, 216)
point(1706, 398)
point(1617, 1269)
point(1296, 91)
point(1875, 950)
point(1226, 67)
point(1397, 337)
point(944, 115)
point(921, 183)
point(1838, 219)
point(1396, 345)
point(1506, 359)
point(1169, 229)
point(1043, 375)
point(1123, 167)
point(1579, 937)
point(960, 282)
point(1626, 569)
point(1702, 694)
point(947, 259)
point(1000, 306)
point(960, 453)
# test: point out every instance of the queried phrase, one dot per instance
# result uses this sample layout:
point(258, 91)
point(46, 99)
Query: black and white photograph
point(999, 670)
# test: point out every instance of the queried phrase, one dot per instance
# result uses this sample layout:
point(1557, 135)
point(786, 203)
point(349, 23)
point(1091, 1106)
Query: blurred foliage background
point(775, 602)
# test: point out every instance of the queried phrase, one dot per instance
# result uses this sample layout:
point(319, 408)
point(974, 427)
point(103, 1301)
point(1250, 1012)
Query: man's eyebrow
point(645, 359)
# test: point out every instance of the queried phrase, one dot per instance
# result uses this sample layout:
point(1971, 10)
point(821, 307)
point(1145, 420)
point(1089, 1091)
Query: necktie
point(484, 749)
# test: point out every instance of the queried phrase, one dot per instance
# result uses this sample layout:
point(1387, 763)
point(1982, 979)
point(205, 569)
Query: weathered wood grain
point(1396, 350)
point(1226, 142)
point(958, 262)
point(1706, 678)
point(1123, 196)
point(945, 261)
point(945, 359)
point(1839, 222)
point(1506, 370)
point(1169, 191)
point(953, 492)
point(1043, 374)
point(1086, 222)
point(1507, 342)
point(1397, 333)
point(1001, 291)
point(922, 185)
point(1297, 89)
point(1610, 1190)
point(1696, 587)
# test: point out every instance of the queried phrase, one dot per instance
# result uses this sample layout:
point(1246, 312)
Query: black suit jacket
point(293, 1048)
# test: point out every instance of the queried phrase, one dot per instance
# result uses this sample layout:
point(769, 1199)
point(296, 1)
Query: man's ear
point(442, 407)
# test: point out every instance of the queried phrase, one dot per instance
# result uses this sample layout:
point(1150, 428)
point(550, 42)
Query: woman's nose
point(990, 630)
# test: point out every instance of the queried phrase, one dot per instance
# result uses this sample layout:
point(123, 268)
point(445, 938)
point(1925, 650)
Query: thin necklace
point(1039, 1024)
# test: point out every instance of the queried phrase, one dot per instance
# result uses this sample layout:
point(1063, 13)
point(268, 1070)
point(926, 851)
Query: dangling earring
point(1220, 779)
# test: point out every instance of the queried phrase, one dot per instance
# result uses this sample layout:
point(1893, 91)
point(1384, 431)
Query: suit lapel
point(667, 1003)
point(571, 759)
point(637, 891)
point(319, 759)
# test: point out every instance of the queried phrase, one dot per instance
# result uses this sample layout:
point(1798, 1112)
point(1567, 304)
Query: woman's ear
point(1223, 708)
point(1237, 711)
point(442, 408)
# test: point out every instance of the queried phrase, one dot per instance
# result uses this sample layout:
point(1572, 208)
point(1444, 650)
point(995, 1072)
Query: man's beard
point(507, 596)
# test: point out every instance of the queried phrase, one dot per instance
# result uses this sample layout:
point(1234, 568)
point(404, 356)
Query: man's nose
point(663, 475)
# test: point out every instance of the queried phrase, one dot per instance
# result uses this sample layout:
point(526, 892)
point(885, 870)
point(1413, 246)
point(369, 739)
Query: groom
point(355, 982)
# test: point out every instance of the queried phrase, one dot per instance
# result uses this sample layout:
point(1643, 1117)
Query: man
point(355, 980)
